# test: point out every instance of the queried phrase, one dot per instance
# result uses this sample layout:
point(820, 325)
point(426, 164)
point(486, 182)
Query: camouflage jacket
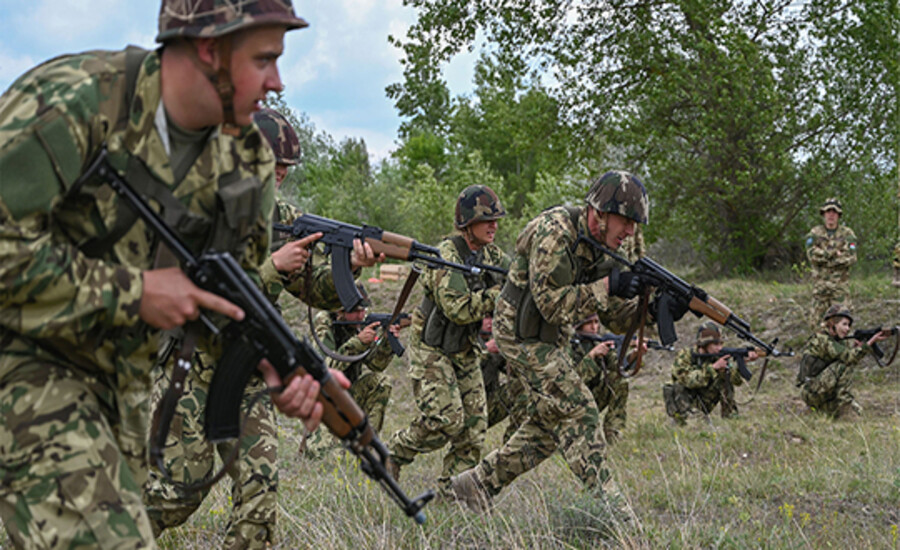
point(831, 253)
point(695, 373)
point(546, 263)
point(831, 350)
point(593, 371)
point(58, 300)
point(343, 339)
point(462, 300)
point(319, 291)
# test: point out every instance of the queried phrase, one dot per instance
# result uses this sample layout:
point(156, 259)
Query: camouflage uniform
point(75, 359)
point(825, 371)
point(190, 457)
point(830, 254)
point(444, 352)
point(609, 388)
point(697, 386)
point(369, 388)
point(506, 399)
point(555, 283)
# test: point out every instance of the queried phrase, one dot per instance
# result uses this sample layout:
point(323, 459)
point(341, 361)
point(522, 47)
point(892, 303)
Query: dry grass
point(777, 476)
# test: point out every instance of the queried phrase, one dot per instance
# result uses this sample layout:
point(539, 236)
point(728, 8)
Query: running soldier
point(444, 353)
point(831, 250)
point(83, 299)
point(557, 278)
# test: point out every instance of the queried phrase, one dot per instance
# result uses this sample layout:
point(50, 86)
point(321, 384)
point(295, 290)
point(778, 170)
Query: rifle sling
point(637, 326)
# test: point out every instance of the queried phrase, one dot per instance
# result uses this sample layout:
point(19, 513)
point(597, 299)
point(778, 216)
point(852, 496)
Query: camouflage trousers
point(71, 462)
point(824, 295)
point(506, 399)
point(449, 393)
point(371, 391)
point(561, 413)
point(682, 402)
point(829, 392)
point(189, 457)
point(611, 396)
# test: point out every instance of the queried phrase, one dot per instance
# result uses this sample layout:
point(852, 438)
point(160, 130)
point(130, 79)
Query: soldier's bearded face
point(254, 69)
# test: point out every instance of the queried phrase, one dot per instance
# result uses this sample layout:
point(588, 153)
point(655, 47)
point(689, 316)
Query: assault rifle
point(618, 339)
point(864, 335)
point(338, 239)
point(402, 320)
point(676, 295)
point(262, 333)
point(738, 354)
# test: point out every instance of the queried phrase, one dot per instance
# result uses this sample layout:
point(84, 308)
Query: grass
point(777, 476)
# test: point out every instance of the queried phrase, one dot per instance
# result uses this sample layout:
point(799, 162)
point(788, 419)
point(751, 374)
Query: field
point(778, 476)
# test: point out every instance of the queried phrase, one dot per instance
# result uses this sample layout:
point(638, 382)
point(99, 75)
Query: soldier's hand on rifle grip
point(625, 284)
point(368, 334)
point(677, 308)
point(601, 349)
point(878, 337)
point(363, 256)
point(169, 299)
point(722, 363)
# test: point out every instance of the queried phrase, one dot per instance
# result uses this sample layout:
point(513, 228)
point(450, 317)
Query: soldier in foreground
point(556, 279)
point(831, 250)
point(828, 362)
point(444, 353)
point(368, 386)
point(190, 457)
point(83, 299)
point(700, 383)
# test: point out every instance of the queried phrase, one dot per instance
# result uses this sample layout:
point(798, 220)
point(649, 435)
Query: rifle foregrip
point(711, 308)
point(342, 415)
point(392, 245)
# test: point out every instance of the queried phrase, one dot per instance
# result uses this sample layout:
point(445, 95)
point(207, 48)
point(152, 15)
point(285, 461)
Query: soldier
point(506, 399)
point(831, 250)
point(557, 278)
point(343, 331)
point(83, 300)
point(444, 354)
point(700, 383)
point(597, 368)
point(827, 364)
point(189, 456)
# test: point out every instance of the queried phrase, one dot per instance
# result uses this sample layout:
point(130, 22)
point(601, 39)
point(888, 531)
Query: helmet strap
point(224, 86)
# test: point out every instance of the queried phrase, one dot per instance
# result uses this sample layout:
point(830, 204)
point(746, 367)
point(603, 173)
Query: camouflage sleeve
point(325, 332)
point(828, 349)
point(381, 356)
point(617, 411)
point(689, 374)
point(316, 289)
point(816, 249)
point(49, 287)
point(452, 294)
point(736, 378)
point(551, 266)
point(847, 248)
point(586, 367)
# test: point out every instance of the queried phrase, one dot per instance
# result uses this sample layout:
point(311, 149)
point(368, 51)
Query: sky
point(335, 70)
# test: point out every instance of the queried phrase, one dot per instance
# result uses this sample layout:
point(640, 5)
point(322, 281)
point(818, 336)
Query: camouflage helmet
point(621, 193)
point(477, 203)
point(832, 203)
point(837, 310)
point(280, 135)
point(707, 334)
point(213, 18)
point(590, 318)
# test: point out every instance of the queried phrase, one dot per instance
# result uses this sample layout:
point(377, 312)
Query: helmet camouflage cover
point(708, 333)
point(477, 203)
point(831, 203)
point(838, 310)
point(212, 18)
point(280, 135)
point(621, 193)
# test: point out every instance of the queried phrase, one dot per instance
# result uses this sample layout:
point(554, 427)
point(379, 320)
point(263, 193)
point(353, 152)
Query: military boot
point(468, 490)
point(896, 281)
